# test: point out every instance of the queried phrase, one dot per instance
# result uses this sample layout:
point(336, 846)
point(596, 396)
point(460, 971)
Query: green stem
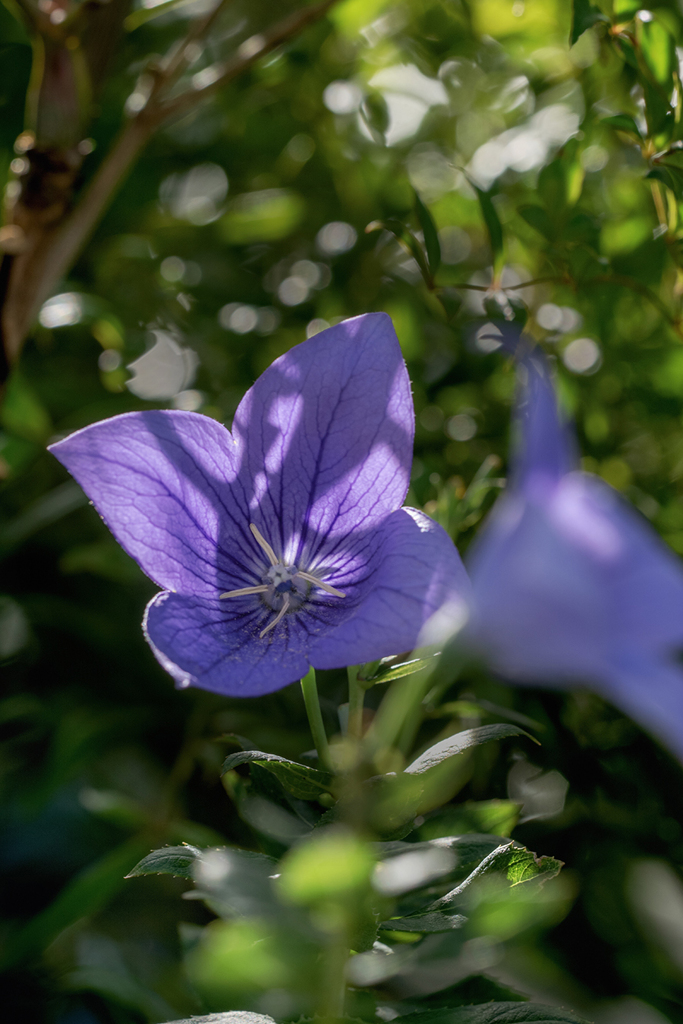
point(356, 699)
point(315, 719)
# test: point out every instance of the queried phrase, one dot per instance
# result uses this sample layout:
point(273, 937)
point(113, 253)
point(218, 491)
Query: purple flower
point(282, 544)
point(571, 585)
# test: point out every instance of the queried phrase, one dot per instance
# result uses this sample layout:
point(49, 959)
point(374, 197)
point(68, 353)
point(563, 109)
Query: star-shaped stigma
point(283, 585)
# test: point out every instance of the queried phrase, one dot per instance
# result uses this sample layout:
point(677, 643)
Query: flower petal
point(162, 483)
point(561, 586)
point(202, 643)
point(651, 693)
point(326, 435)
point(545, 451)
point(416, 571)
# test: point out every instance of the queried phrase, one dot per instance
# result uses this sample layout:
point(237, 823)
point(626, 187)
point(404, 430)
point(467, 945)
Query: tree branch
point(30, 272)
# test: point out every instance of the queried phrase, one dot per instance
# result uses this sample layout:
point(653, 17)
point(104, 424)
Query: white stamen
point(261, 540)
point(273, 624)
point(319, 583)
point(243, 591)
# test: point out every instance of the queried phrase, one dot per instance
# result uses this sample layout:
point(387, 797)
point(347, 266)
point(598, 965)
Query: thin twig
point(621, 280)
point(62, 248)
point(248, 53)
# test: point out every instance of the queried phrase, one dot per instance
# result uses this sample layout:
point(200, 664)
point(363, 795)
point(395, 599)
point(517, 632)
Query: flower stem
point(315, 719)
point(356, 699)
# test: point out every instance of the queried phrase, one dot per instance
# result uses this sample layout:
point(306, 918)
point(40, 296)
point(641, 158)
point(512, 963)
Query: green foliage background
point(102, 760)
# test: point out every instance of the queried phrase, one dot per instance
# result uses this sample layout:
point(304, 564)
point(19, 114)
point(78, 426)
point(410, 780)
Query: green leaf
point(298, 779)
point(375, 114)
point(623, 123)
point(432, 244)
point(231, 1017)
point(497, 816)
point(518, 865)
point(658, 50)
point(625, 8)
point(169, 860)
point(393, 668)
point(493, 225)
point(460, 742)
point(263, 216)
point(658, 113)
point(427, 924)
point(538, 218)
point(496, 1013)
point(584, 16)
point(23, 414)
point(670, 176)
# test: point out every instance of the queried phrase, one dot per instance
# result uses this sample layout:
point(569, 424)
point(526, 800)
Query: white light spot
point(292, 291)
point(164, 370)
point(342, 97)
point(455, 245)
point(197, 195)
point(188, 401)
point(316, 326)
point(61, 310)
point(300, 148)
point(269, 320)
point(308, 272)
point(582, 356)
point(335, 238)
point(207, 76)
point(594, 158)
point(549, 317)
point(461, 427)
point(486, 338)
point(109, 360)
point(243, 319)
point(410, 870)
point(250, 47)
point(172, 269)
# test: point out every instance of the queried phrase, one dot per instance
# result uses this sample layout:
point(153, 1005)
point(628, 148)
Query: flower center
point(284, 588)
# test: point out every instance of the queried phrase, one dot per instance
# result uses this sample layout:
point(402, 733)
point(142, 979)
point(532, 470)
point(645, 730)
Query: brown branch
point(248, 53)
point(32, 272)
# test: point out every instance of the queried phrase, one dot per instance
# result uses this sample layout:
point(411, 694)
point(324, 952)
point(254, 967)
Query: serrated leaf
point(496, 1013)
point(427, 924)
point(460, 742)
point(298, 779)
point(169, 860)
point(431, 237)
point(624, 123)
point(584, 16)
point(519, 866)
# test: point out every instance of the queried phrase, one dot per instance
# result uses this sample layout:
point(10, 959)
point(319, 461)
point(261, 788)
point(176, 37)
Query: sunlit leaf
point(299, 779)
point(584, 16)
point(460, 742)
point(496, 1013)
point(170, 860)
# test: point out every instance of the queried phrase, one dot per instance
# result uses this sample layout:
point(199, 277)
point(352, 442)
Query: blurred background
point(240, 231)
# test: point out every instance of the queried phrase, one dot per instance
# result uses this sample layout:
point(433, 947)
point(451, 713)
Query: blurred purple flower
point(571, 585)
point(283, 544)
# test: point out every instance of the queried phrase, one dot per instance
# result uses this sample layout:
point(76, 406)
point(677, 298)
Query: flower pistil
point(281, 581)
